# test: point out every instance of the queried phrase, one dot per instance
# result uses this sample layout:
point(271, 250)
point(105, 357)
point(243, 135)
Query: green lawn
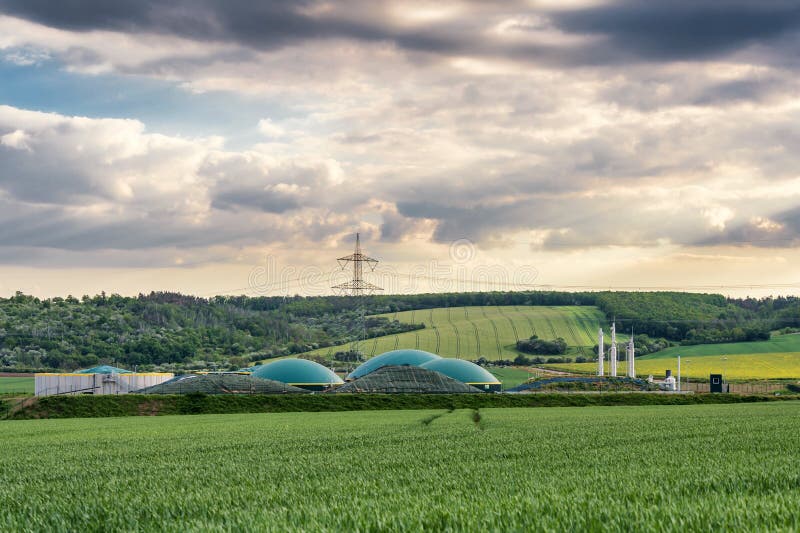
point(490, 331)
point(720, 467)
point(510, 376)
point(16, 385)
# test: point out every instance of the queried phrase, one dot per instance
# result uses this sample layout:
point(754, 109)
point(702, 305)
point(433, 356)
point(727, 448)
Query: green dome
point(103, 369)
point(463, 371)
point(297, 372)
point(393, 358)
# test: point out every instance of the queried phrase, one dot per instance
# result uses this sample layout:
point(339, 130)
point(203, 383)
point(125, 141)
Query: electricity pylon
point(357, 287)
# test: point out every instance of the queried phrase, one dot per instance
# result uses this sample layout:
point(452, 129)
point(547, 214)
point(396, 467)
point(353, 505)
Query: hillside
point(174, 332)
point(487, 331)
point(776, 344)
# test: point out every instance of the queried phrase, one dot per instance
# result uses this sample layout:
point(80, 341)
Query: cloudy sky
point(214, 146)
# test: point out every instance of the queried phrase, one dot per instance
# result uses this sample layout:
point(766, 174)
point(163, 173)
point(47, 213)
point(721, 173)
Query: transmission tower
point(357, 287)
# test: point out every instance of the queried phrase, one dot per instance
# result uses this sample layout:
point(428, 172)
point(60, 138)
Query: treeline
point(168, 330)
point(691, 318)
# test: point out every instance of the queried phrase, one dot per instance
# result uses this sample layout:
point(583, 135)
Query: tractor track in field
point(550, 325)
point(530, 322)
point(436, 332)
point(416, 331)
point(572, 332)
point(496, 336)
point(475, 329)
point(587, 323)
point(513, 326)
point(458, 337)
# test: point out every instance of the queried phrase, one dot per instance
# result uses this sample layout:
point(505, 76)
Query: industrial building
point(465, 372)
point(393, 358)
point(458, 369)
point(97, 380)
point(301, 373)
point(221, 383)
point(395, 379)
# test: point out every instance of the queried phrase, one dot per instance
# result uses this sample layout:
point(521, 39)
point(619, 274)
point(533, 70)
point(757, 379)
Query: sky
point(236, 147)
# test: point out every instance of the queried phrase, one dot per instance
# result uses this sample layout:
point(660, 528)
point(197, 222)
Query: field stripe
point(530, 322)
point(513, 326)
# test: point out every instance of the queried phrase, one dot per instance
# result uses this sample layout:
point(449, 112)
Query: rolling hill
point(486, 331)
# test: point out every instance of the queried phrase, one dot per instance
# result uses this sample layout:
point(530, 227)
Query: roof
point(219, 384)
point(395, 358)
point(297, 372)
point(103, 369)
point(406, 379)
point(462, 370)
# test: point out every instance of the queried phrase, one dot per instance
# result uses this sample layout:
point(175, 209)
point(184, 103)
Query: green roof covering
point(406, 380)
point(297, 372)
point(461, 370)
point(393, 358)
point(220, 384)
point(103, 369)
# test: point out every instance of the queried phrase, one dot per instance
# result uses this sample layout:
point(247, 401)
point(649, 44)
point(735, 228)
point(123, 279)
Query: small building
point(301, 373)
point(97, 380)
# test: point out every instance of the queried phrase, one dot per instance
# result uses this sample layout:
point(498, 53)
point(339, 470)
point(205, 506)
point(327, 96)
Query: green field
point(777, 344)
point(721, 467)
point(490, 331)
point(16, 385)
point(509, 376)
point(777, 358)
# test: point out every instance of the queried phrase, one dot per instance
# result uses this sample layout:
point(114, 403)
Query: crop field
point(737, 367)
point(12, 385)
point(490, 331)
point(777, 344)
point(777, 358)
point(720, 467)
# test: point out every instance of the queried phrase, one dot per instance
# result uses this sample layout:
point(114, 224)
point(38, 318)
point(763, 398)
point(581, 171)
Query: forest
point(171, 331)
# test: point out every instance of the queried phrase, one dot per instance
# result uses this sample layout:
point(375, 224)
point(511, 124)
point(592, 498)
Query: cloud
point(269, 129)
point(684, 29)
point(568, 128)
point(76, 183)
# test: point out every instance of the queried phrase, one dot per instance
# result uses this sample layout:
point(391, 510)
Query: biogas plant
point(398, 371)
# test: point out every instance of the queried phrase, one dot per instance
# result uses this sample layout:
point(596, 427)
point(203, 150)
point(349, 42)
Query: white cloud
point(270, 129)
point(17, 139)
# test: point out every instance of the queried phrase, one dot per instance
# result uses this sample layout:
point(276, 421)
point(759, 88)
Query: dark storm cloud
point(629, 30)
point(682, 29)
point(261, 24)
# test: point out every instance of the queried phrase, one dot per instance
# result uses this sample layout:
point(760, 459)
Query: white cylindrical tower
point(613, 355)
point(600, 355)
point(630, 357)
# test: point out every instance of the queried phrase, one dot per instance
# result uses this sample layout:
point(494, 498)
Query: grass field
point(726, 467)
point(777, 344)
point(777, 358)
point(509, 376)
point(11, 385)
point(490, 332)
